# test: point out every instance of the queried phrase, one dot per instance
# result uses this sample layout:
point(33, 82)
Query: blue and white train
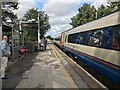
point(97, 44)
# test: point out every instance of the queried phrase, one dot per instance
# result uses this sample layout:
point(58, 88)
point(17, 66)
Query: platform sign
point(28, 24)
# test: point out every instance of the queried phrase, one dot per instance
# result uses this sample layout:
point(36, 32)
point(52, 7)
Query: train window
point(79, 38)
point(85, 36)
point(71, 38)
point(76, 36)
point(116, 38)
point(66, 38)
point(107, 37)
point(95, 37)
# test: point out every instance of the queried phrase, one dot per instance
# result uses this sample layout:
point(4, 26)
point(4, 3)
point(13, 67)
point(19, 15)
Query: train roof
point(109, 20)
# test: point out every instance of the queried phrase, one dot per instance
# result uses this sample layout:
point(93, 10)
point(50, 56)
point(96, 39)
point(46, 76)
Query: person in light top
point(5, 53)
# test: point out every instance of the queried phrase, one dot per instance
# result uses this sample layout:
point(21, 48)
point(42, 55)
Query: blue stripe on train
point(108, 71)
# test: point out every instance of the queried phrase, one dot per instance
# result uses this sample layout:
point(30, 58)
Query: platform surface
point(46, 72)
point(42, 70)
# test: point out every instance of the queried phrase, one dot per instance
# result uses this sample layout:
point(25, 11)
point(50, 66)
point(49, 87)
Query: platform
point(48, 69)
point(48, 72)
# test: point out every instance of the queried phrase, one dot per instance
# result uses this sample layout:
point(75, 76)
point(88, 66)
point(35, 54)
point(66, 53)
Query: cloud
point(57, 29)
point(60, 8)
point(59, 13)
point(24, 5)
point(58, 0)
point(57, 20)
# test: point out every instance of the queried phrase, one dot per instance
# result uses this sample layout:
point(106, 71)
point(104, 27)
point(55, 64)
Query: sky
point(60, 12)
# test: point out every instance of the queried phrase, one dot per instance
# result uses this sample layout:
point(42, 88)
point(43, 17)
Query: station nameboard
point(30, 24)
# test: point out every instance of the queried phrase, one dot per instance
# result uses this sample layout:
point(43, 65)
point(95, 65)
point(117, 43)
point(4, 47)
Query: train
point(96, 44)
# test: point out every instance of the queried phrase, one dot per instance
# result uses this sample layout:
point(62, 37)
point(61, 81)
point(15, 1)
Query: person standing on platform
point(5, 51)
point(44, 43)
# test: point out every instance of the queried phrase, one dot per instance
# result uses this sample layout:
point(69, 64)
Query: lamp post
point(0, 21)
point(21, 34)
point(96, 14)
point(38, 31)
point(0, 39)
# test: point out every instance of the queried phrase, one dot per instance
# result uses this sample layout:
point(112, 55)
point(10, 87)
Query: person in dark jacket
point(44, 43)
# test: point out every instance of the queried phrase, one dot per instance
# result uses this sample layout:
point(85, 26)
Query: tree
point(75, 21)
point(7, 12)
point(111, 7)
point(49, 37)
point(102, 11)
point(114, 6)
point(30, 34)
point(86, 13)
point(31, 14)
point(44, 23)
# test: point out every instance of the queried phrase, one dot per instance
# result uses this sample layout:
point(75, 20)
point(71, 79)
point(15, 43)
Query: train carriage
point(96, 44)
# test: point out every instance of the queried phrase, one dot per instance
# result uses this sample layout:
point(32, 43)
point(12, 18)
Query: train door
point(62, 40)
point(65, 39)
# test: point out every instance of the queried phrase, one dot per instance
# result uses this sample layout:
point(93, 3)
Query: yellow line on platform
point(65, 71)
